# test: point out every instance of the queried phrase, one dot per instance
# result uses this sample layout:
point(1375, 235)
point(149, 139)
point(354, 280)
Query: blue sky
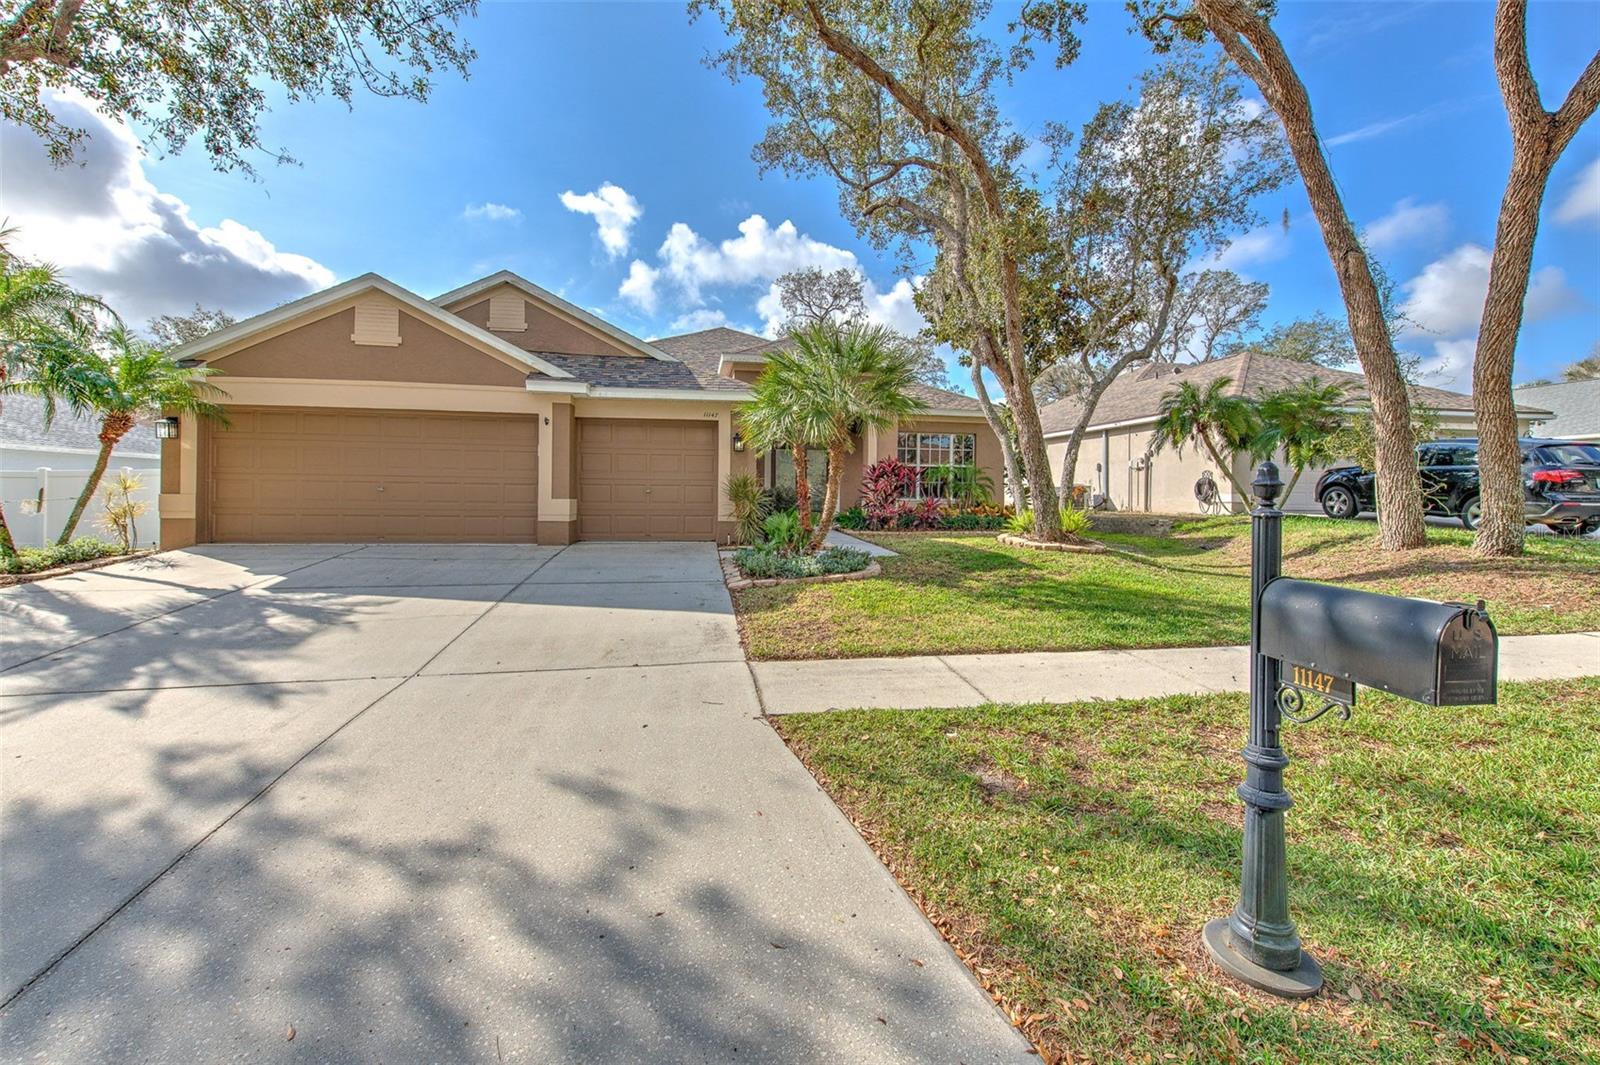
point(569, 99)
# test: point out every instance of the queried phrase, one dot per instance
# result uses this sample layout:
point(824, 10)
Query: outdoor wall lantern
point(738, 441)
point(1311, 644)
point(166, 428)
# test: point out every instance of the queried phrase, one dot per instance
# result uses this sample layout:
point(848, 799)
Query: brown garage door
point(640, 479)
point(279, 475)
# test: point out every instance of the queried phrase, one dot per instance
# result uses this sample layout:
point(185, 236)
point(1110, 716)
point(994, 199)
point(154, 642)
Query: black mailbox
point(1441, 654)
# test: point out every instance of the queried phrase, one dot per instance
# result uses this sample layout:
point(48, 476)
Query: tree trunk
point(830, 495)
point(1499, 458)
point(802, 486)
point(8, 546)
point(90, 486)
point(1538, 137)
point(1007, 453)
point(1255, 48)
point(1226, 468)
point(112, 429)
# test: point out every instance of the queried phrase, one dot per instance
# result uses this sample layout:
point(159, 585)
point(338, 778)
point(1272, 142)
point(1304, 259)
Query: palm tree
point(1210, 416)
point(841, 379)
point(130, 380)
point(770, 421)
point(1302, 421)
point(39, 312)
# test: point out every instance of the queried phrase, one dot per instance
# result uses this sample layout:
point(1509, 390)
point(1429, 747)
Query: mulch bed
point(1082, 547)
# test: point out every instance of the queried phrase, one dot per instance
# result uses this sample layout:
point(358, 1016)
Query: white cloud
point(1446, 298)
point(1450, 365)
point(112, 232)
point(698, 319)
point(689, 266)
point(1409, 222)
point(490, 212)
point(614, 212)
point(1261, 245)
point(1583, 197)
point(639, 287)
point(759, 253)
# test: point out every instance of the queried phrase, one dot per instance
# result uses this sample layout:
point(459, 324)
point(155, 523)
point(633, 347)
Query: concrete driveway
point(417, 803)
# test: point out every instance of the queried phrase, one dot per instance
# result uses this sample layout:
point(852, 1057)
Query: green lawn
point(1445, 869)
point(955, 593)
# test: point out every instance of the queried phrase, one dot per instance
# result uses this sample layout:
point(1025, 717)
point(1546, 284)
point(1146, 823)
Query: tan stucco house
point(1116, 461)
point(497, 412)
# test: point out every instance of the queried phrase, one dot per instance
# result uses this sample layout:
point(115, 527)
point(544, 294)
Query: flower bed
point(752, 566)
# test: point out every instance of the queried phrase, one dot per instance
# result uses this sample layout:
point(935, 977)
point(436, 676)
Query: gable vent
point(507, 313)
point(377, 324)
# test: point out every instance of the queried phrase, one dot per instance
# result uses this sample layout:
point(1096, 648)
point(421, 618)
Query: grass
point(1444, 868)
point(952, 593)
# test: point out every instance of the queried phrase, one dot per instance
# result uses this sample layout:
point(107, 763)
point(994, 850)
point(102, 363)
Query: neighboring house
point(42, 470)
point(1574, 404)
point(497, 412)
point(1116, 461)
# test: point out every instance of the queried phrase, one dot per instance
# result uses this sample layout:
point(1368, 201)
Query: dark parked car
point(1560, 479)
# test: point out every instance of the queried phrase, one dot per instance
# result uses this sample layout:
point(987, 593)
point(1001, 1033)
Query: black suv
point(1560, 478)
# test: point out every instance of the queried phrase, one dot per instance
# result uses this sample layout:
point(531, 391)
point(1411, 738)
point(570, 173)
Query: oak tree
point(1244, 30)
point(181, 70)
point(1538, 137)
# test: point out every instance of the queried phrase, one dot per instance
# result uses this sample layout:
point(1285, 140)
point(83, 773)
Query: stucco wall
point(547, 331)
point(323, 350)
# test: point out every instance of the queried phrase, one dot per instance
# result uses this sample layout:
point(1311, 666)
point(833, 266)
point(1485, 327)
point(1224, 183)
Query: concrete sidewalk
point(971, 680)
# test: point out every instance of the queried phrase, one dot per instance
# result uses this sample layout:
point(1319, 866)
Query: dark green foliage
point(854, 518)
point(35, 559)
point(976, 522)
point(784, 533)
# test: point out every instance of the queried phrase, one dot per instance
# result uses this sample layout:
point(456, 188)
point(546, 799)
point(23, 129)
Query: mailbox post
point(1257, 943)
point(1330, 639)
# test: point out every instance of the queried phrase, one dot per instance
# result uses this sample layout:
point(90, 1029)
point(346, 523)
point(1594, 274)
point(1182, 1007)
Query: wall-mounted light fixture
point(166, 428)
point(738, 441)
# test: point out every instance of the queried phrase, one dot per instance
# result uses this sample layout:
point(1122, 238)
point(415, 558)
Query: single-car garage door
point(640, 479)
point(282, 475)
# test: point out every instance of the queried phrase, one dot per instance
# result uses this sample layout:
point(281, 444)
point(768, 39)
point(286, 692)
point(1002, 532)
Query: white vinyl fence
point(37, 504)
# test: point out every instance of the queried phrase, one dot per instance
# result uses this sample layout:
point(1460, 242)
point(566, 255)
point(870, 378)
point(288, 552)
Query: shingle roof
point(691, 371)
point(1576, 405)
point(22, 426)
point(704, 349)
point(1138, 393)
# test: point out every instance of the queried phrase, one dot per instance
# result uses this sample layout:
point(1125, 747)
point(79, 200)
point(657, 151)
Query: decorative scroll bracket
point(1292, 704)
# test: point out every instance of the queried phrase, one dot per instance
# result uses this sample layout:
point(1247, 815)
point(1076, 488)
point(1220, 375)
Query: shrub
point(884, 486)
point(750, 504)
point(122, 511)
point(854, 518)
point(784, 533)
point(762, 563)
point(1075, 522)
point(35, 559)
point(783, 498)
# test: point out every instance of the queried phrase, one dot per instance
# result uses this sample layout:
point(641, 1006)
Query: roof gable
point(236, 337)
point(469, 293)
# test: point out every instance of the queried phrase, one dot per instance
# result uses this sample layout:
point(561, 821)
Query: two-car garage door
point(285, 475)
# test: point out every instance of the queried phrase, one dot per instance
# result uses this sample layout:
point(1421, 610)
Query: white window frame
point(923, 453)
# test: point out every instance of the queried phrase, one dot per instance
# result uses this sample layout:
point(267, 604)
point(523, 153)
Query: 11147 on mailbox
point(1311, 646)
